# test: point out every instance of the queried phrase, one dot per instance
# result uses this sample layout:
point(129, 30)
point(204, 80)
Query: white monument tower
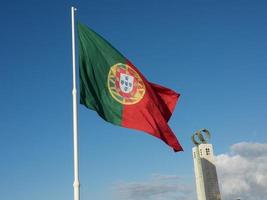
point(205, 170)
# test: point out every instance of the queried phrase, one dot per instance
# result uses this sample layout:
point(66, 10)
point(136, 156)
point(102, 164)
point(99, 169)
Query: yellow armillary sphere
point(125, 84)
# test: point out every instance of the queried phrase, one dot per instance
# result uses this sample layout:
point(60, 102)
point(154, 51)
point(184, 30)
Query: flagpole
point(76, 184)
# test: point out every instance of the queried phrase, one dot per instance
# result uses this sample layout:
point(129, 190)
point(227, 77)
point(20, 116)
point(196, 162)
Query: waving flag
point(112, 86)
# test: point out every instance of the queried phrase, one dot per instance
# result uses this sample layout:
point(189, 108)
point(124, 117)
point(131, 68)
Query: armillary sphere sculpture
point(201, 139)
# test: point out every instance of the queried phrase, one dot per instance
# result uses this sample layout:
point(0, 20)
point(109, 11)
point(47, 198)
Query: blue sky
point(212, 52)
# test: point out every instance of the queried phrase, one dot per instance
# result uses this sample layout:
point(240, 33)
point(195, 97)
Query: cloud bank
point(160, 187)
point(242, 172)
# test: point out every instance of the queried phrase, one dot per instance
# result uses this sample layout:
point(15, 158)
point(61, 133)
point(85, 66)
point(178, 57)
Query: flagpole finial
point(74, 8)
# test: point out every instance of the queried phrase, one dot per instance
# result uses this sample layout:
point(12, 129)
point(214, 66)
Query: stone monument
point(204, 166)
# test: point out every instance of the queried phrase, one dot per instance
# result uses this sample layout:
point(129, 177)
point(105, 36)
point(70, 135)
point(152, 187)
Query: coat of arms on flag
point(125, 84)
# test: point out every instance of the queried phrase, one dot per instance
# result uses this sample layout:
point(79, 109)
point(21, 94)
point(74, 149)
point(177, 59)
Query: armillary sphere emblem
point(201, 139)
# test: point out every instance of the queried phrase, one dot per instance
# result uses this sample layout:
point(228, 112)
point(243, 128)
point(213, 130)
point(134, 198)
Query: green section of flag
point(96, 56)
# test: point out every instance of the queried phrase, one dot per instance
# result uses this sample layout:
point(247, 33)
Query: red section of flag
point(152, 113)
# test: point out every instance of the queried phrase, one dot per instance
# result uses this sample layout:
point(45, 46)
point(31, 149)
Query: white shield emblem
point(126, 83)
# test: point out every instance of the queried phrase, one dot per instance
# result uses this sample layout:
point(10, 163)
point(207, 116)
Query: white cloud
point(160, 187)
point(242, 171)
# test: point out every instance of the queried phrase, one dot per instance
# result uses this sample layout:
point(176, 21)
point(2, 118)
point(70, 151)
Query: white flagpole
point(76, 184)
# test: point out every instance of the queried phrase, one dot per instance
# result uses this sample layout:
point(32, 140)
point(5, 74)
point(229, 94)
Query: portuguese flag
point(112, 86)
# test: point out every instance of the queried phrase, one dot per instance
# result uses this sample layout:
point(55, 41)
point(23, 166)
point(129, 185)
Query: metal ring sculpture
point(201, 139)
